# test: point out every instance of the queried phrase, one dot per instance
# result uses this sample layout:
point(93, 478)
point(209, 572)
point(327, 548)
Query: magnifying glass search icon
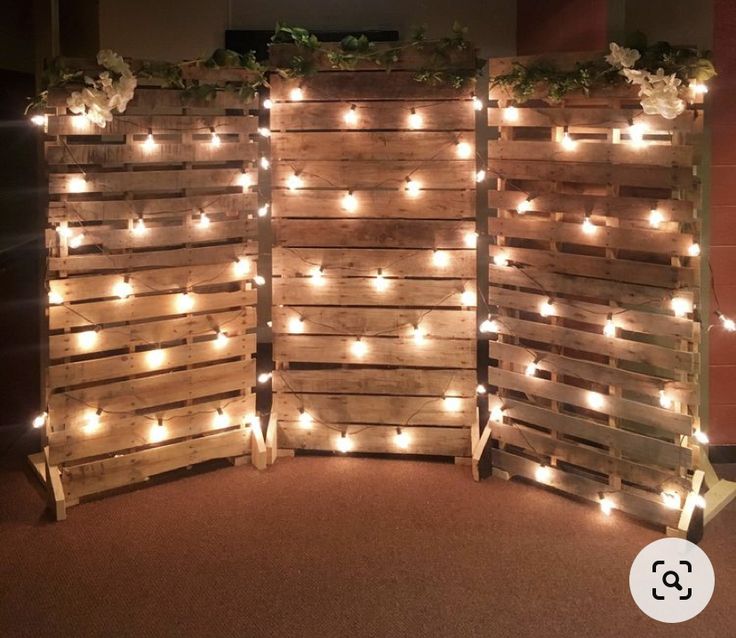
point(672, 582)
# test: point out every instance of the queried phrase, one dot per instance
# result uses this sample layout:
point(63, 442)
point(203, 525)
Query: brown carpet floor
point(333, 547)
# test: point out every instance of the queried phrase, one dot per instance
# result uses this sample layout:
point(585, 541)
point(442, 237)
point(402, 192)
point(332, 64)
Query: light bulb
point(477, 103)
point(87, 339)
point(531, 369)
point(471, 239)
point(496, 414)
point(480, 389)
point(451, 404)
point(80, 121)
point(204, 220)
point(215, 139)
point(401, 439)
point(488, 326)
point(415, 120)
point(92, 421)
point(264, 377)
point(595, 400)
point(293, 182)
point(671, 500)
point(463, 150)
point(665, 400)
point(220, 340)
point(440, 258)
point(296, 94)
point(543, 473)
point(480, 176)
point(701, 437)
point(511, 114)
point(547, 308)
point(55, 298)
point(655, 218)
point(728, 324)
point(149, 144)
point(606, 506)
point(157, 432)
point(693, 250)
point(418, 335)
point(412, 187)
point(254, 422)
point(609, 328)
point(64, 231)
point(349, 202)
point(244, 180)
point(122, 289)
point(296, 324)
point(380, 283)
point(40, 120)
point(77, 184)
point(76, 241)
point(265, 163)
point(40, 420)
point(343, 444)
point(185, 302)
point(567, 143)
point(267, 103)
point(467, 298)
point(318, 276)
point(500, 260)
point(155, 358)
point(698, 88)
point(680, 306)
point(264, 132)
point(139, 228)
point(351, 115)
point(524, 206)
point(220, 420)
point(358, 348)
point(588, 226)
point(263, 210)
point(636, 134)
point(305, 419)
point(241, 266)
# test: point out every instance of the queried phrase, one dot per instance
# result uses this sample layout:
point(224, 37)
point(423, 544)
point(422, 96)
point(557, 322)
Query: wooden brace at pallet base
point(272, 450)
point(720, 492)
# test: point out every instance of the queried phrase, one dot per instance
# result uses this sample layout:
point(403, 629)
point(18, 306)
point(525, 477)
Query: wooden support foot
point(272, 449)
point(481, 459)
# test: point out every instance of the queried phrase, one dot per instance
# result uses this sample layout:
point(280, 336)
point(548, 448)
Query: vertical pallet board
point(605, 414)
point(358, 257)
point(137, 372)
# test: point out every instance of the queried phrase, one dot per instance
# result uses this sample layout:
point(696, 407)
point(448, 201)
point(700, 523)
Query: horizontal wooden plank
point(621, 207)
point(99, 476)
point(379, 439)
point(362, 292)
point(373, 233)
point(664, 420)
point(138, 308)
point(455, 324)
point(380, 409)
point(294, 262)
point(650, 509)
point(70, 344)
point(397, 381)
point(371, 145)
point(321, 116)
point(639, 239)
point(135, 432)
point(401, 351)
point(391, 204)
point(128, 124)
point(637, 447)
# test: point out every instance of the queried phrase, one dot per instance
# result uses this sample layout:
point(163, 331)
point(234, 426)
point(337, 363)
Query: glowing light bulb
point(40, 420)
point(680, 306)
point(698, 88)
point(87, 339)
point(728, 324)
point(511, 114)
point(263, 210)
point(265, 163)
point(80, 121)
point(264, 377)
point(149, 143)
point(412, 187)
point(477, 103)
point(294, 182)
point(693, 250)
point(155, 358)
point(64, 231)
point(215, 139)
point(543, 473)
point(220, 420)
point(305, 419)
point(500, 260)
point(415, 120)
point(220, 340)
point(318, 276)
point(567, 143)
point(259, 280)
point(244, 180)
point(488, 326)
point(55, 298)
point(157, 432)
point(496, 414)
point(547, 308)
point(39, 120)
point(531, 369)
point(343, 444)
point(122, 289)
point(440, 258)
point(596, 400)
point(480, 176)
point(296, 324)
point(358, 348)
point(241, 266)
point(204, 220)
point(467, 298)
point(296, 94)
point(185, 302)
point(92, 421)
point(589, 227)
point(636, 134)
point(76, 241)
point(480, 389)
point(349, 202)
point(671, 500)
point(264, 132)
point(524, 206)
point(417, 335)
point(606, 506)
point(665, 400)
point(380, 283)
point(77, 184)
point(609, 328)
point(267, 103)
point(471, 239)
point(701, 437)
point(401, 439)
point(451, 404)
point(463, 150)
point(655, 218)
point(351, 115)
point(139, 228)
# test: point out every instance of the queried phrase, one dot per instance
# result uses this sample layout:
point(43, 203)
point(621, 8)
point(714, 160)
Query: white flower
point(621, 57)
point(634, 76)
point(662, 98)
point(112, 61)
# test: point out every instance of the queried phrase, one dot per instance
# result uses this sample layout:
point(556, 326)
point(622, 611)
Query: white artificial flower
point(621, 57)
point(112, 61)
point(662, 99)
point(635, 76)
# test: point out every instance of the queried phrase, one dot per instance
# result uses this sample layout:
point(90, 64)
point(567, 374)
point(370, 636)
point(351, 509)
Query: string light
point(671, 500)
point(547, 308)
point(123, 289)
point(293, 182)
point(606, 505)
point(680, 306)
point(220, 340)
point(463, 150)
point(380, 283)
point(155, 358)
point(267, 103)
point(185, 302)
point(244, 179)
point(259, 280)
point(609, 328)
point(264, 132)
point(636, 134)
point(480, 389)
point(265, 164)
point(497, 414)
point(500, 260)
point(543, 473)
point(401, 439)
point(139, 228)
point(531, 369)
point(77, 184)
point(343, 444)
point(263, 210)
point(568, 144)
point(64, 231)
point(241, 266)
point(488, 326)
point(728, 324)
point(296, 94)
point(215, 139)
point(511, 114)
point(80, 121)
point(40, 120)
point(157, 432)
point(87, 339)
point(349, 202)
point(318, 276)
point(149, 143)
point(204, 220)
point(296, 324)
point(351, 115)
point(305, 419)
point(655, 218)
point(55, 298)
point(596, 400)
point(480, 176)
point(418, 335)
point(701, 437)
point(451, 404)
point(92, 421)
point(697, 88)
point(477, 103)
point(694, 250)
point(665, 400)
point(264, 377)
point(471, 239)
point(440, 258)
point(467, 297)
point(412, 188)
point(40, 420)
point(220, 419)
point(415, 120)
point(524, 206)
point(588, 226)
point(358, 347)
point(76, 241)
